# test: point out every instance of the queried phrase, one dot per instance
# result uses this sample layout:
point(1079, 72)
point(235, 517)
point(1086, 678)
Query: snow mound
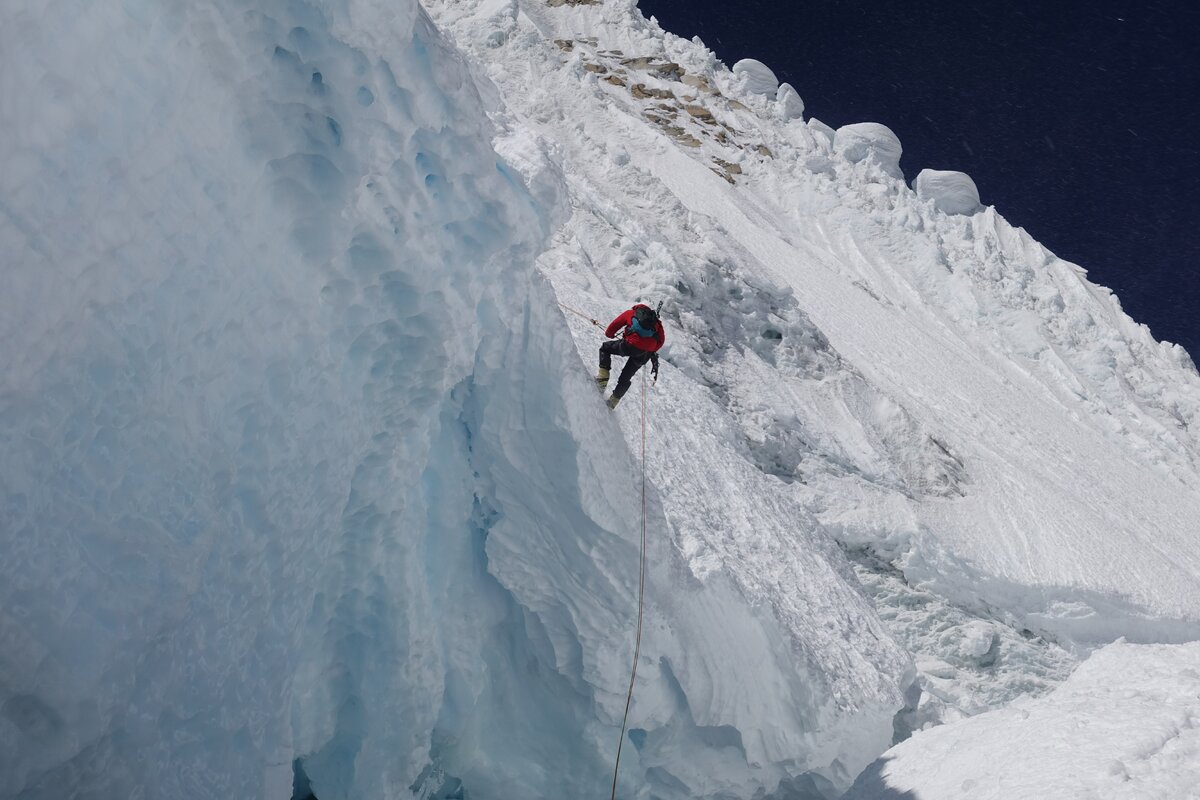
point(788, 103)
point(1125, 725)
point(826, 131)
point(758, 76)
point(869, 141)
point(951, 192)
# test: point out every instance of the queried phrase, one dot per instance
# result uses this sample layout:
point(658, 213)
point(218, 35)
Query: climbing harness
point(637, 648)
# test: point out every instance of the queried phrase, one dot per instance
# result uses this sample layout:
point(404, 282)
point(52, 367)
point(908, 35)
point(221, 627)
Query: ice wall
point(300, 468)
point(251, 254)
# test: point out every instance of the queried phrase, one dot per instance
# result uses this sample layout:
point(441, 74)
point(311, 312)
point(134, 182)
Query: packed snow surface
point(1125, 726)
point(305, 478)
point(939, 388)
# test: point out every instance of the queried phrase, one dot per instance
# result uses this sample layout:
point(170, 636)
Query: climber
point(640, 342)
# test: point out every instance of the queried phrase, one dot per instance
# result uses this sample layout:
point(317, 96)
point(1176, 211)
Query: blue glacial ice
point(302, 478)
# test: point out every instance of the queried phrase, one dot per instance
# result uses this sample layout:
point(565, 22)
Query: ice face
point(253, 259)
point(303, 480)
point(937, 390)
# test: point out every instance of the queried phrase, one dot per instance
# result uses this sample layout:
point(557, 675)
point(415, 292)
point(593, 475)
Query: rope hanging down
point(637, 649)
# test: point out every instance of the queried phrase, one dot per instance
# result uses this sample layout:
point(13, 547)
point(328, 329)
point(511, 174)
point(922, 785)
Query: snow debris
point(966, 663)
point(758, 77)
point(863, 141)
point(951, 192)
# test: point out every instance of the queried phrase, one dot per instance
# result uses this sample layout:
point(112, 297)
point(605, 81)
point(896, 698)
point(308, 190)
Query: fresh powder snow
point(308, 492)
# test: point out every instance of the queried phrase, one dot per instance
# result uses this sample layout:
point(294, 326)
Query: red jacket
point(641, 342)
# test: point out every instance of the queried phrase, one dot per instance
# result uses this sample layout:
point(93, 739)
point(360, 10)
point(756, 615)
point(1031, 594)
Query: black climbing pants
point(637, 357)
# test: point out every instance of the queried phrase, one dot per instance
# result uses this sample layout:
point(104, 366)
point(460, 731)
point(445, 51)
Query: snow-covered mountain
point(307, 490)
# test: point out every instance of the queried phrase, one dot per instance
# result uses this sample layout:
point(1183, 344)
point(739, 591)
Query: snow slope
point(303, 482)
point(939, 388)
point(1125, 725)
point(1011, 457)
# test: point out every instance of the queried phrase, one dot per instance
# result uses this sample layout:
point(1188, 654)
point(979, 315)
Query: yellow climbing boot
point(612, 401)
point(602, 378)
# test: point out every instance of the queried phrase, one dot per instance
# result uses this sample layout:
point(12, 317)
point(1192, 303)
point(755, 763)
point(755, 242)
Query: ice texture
point(951, 192)
point(263, 267)
point(968, 661)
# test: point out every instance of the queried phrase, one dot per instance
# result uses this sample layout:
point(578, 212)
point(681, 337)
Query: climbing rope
point(637, 649)
point(581, 314)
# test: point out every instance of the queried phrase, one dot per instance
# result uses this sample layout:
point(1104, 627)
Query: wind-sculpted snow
point(951, 192)
point(304, 483)
point(869, 141)
point(788, 103)
point(758, 76)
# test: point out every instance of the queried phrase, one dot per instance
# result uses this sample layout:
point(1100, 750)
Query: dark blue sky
point(1079, 121)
